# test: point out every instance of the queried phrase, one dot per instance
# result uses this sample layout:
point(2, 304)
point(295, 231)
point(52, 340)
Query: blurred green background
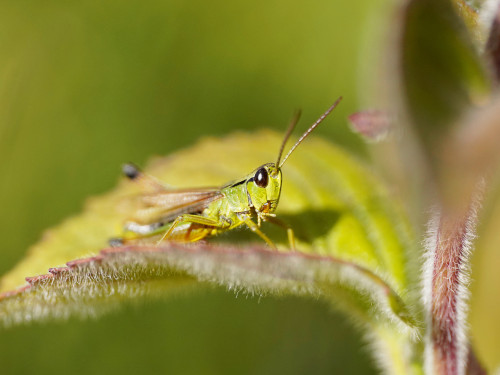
point(88, 85)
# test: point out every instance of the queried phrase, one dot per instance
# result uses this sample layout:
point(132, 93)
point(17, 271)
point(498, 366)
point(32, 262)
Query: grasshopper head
point(264, 188)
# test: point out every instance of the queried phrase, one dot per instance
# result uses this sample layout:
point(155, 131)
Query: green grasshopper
point(189, 215)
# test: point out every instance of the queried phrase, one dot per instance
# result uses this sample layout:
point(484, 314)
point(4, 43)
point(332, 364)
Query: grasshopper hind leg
point(206, 224)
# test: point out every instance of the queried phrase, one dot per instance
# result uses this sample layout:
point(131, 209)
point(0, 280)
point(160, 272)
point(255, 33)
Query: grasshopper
point(189, 215)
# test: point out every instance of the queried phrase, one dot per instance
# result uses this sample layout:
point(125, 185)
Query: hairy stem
point(449, 246)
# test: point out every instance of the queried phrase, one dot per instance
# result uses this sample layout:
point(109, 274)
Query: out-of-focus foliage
point(450, 102)
point(86, 86)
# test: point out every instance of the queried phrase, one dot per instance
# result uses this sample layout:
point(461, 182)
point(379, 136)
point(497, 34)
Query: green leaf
point(352, 249)
point(85, 286)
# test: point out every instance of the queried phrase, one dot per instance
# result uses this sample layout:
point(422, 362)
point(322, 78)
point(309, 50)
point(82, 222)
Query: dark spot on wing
point(131, 171)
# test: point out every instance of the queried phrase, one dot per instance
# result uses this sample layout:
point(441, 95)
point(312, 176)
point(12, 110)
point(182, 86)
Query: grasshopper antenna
point(289, 131)
point(307, 132)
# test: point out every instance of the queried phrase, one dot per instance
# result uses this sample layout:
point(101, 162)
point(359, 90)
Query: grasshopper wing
point(161, 203)
point(166, 205)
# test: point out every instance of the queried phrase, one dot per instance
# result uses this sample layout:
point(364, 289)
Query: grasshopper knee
point(116, 242)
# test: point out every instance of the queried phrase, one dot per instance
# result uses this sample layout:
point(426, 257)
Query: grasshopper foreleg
point(274, 220)
point(254, 228)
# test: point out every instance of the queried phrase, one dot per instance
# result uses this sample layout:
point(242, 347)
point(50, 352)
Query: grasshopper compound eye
point(261, 178)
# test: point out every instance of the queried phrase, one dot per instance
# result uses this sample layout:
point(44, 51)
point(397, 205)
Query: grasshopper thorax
point(264, 188)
